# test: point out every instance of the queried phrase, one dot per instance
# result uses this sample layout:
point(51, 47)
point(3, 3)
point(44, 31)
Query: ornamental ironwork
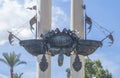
point(65, 42)
point(60, 43)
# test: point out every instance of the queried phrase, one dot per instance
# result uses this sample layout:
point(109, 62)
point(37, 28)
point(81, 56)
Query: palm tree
point(68, 72)
point(17, 75)
point(12, 60)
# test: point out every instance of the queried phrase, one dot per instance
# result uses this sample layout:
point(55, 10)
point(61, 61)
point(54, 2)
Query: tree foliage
point(12, 60)
point(16, 75)
point(68, 72)
point(93, 69)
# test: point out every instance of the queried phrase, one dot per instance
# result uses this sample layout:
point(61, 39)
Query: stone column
point(44, 25)
point(44, 16)
point(77, 23)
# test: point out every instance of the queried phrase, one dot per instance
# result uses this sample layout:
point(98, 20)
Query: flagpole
point(85, 23)
point(36, 36)
point(85, 29)
point(36, 27)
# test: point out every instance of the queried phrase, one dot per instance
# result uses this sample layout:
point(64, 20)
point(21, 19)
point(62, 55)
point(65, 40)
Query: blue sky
point(14, 15)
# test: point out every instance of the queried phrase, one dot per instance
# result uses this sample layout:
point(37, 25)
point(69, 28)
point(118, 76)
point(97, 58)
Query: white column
point(44, 25)
point(77, 23)
point(44, 16)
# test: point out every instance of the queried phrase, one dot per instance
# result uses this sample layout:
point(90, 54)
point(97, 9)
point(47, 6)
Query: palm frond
point(7, 58)
point(20, 75)
point(3, 60)
point(16, 75)
point(21, 62)
point(12, 59)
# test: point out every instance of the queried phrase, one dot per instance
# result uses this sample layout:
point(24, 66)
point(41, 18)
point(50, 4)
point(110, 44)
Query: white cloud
point(59, 18)
point(13, 16)
point(3, 76)
point(3, 26)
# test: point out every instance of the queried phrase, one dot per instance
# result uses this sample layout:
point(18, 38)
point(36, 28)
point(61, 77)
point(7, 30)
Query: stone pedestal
point(77, 23)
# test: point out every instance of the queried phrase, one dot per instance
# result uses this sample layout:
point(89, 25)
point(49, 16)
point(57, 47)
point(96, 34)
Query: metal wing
point(87, 47)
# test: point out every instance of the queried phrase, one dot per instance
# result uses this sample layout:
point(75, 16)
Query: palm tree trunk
point(11, 72)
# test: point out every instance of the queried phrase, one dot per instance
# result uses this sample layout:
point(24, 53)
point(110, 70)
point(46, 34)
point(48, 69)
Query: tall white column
point(44, 25)
point(77, 23)
point(44, 16)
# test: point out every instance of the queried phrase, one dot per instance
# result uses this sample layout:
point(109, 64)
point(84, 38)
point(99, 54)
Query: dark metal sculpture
point(43, 64)
point(62, 43)
point(77, 64)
